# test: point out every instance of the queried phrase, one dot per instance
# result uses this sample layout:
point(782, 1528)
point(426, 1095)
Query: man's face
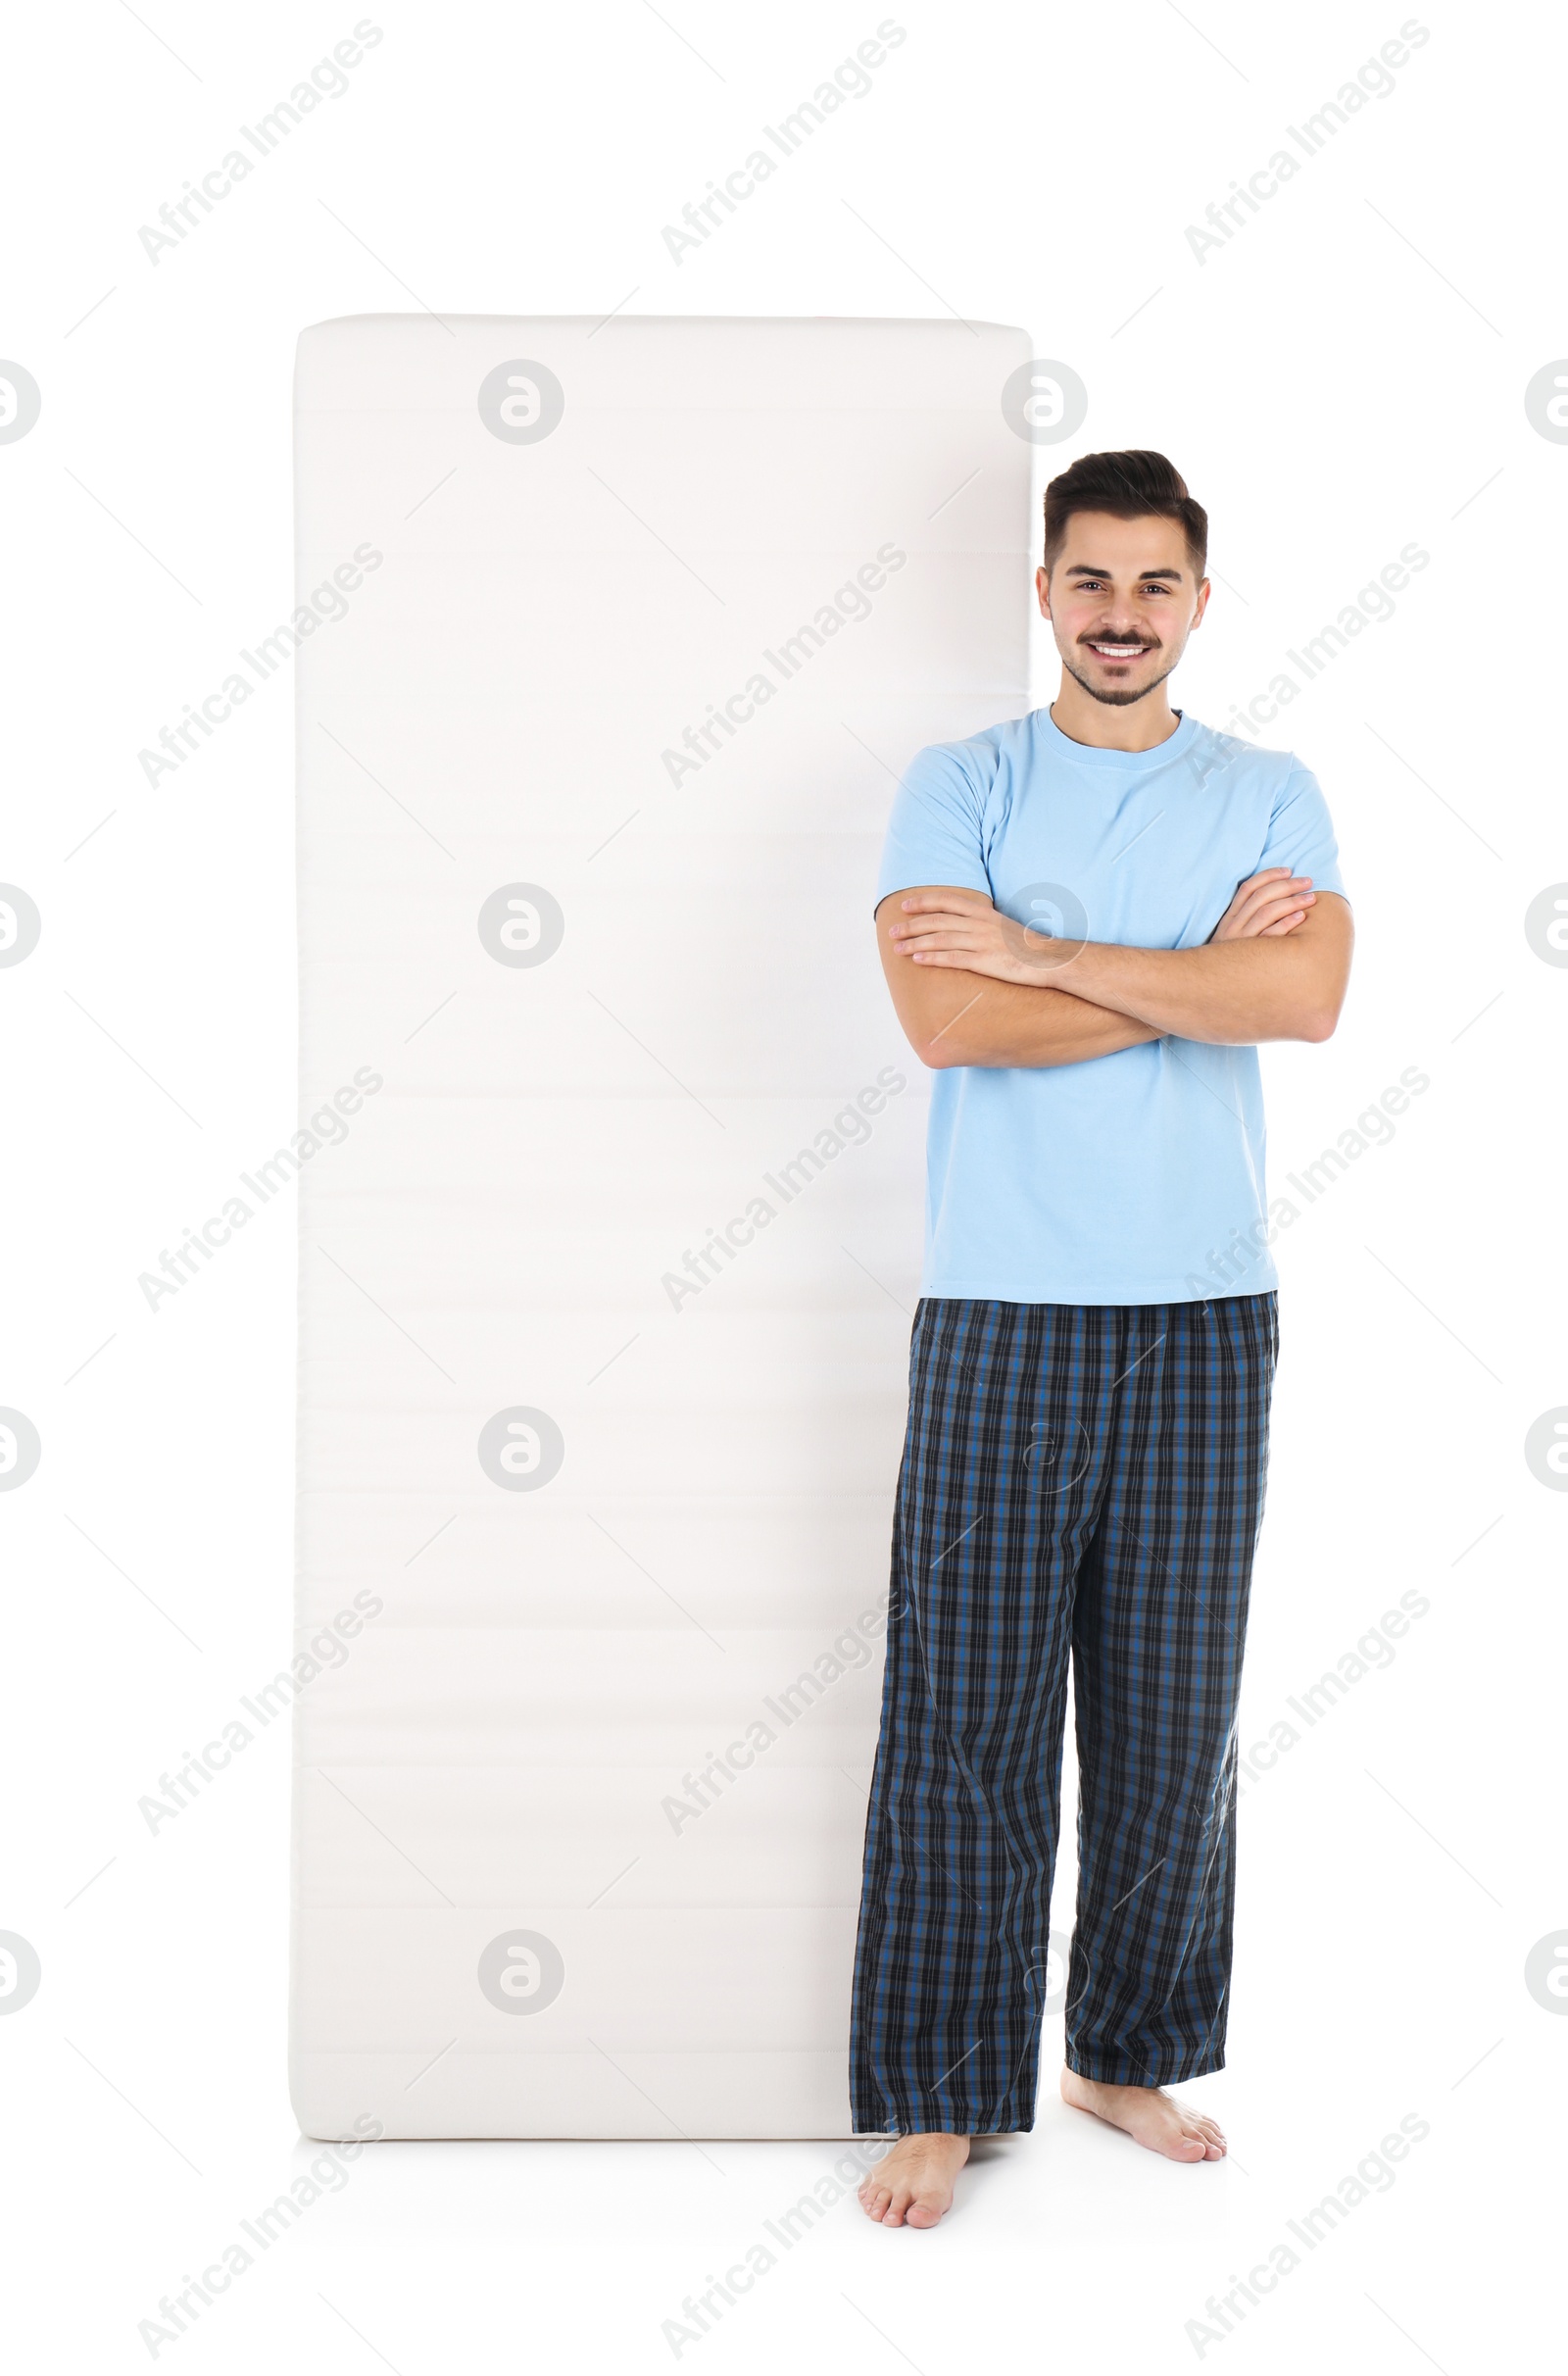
point(1122, 600)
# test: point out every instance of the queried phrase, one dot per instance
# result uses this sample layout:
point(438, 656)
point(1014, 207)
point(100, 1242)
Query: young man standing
point(1088, 917)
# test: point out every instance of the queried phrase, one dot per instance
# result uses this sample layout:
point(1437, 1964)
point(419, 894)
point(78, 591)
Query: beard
point(1116, 697)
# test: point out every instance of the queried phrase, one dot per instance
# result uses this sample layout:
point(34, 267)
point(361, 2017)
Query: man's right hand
point(1266, 906)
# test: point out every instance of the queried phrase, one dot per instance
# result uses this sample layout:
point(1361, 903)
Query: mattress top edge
point(428, 323)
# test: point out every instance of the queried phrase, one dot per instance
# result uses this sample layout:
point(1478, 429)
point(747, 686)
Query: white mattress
point(504, 1923)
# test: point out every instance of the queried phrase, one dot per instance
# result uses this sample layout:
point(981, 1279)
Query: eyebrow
point(1084, 569)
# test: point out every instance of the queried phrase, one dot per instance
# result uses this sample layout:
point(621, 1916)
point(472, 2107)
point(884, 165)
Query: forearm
point(1274, 967)
point(1001, 1024)
point(1233, 994)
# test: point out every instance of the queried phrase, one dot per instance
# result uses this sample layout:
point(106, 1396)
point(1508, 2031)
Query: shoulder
point(1266, 776)
point(974, 764)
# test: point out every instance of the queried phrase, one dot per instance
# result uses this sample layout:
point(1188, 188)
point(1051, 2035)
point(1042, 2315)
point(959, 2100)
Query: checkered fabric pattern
point(1084, 1478)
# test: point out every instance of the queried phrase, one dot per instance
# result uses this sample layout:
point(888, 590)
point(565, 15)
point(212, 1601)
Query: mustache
point(1105, 635)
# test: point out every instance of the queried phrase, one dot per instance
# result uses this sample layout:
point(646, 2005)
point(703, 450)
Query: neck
point(1105, 726)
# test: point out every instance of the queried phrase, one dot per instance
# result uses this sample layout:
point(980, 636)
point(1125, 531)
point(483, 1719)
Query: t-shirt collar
point(1134, 762)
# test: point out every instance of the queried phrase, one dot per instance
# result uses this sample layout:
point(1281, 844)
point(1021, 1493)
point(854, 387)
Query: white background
point(1344, 376)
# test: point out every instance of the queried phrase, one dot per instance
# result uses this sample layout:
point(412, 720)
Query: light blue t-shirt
point(1132, 1178)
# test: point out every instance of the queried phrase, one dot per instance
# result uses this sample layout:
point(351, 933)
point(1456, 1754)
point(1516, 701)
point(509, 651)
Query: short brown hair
point(1129, 486)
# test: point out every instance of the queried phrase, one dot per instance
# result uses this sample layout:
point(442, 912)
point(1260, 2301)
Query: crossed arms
point(971, 986)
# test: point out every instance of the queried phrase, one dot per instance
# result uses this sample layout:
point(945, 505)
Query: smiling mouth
point(1119, 651)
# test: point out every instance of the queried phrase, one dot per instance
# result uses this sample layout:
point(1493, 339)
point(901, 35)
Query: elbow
point(936, 1050)
point(1322, 999)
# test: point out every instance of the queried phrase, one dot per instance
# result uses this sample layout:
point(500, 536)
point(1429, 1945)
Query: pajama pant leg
point(1067, 1483)
point(992, 1516)
point(1159, 1628)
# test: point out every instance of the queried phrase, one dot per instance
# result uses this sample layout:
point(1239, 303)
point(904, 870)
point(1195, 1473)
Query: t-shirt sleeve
point(935, 832)
point(1300, 832)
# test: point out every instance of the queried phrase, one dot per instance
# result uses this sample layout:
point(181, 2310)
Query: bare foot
point(1149, 2117)
point(913, 2186)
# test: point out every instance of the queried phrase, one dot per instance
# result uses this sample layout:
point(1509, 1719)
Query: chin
point(1120, 697)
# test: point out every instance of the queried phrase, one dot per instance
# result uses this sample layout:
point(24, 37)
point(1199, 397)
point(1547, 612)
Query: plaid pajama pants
point(1083, 1478)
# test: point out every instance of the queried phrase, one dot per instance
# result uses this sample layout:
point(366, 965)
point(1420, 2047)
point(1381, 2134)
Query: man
point(1088, 919)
